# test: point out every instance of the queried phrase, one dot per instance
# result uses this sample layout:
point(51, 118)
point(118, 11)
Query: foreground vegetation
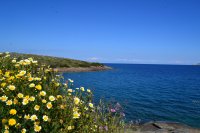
point(33, 98)
point(55, 62)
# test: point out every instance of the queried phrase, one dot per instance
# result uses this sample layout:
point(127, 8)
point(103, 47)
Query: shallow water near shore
point(148, 92)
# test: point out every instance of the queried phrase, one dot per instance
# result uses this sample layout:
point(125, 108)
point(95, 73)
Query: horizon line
point(151, 64)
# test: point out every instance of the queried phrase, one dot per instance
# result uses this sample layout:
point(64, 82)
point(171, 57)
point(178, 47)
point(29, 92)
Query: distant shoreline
point(83, 69)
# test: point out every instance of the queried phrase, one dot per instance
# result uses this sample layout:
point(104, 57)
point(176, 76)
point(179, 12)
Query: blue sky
point(120, 31)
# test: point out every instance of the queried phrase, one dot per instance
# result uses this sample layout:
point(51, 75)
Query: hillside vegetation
point(56, 62)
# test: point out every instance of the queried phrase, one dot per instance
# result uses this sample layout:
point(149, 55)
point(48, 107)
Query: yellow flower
point(25, 101)
point(91, 105)
point(70, 90)
point(70, 127)
point(23, 130)
point(22, 73)
point(7, 74)
point(65, 85)
point(70, 80)
point(18, 125)
point(59, 96)
point(57, 84)
point(61, 121)
point(32, 85)
point(75, 109)
point(7, 55)
point(11, 87)
point(37, 107)
point(45, 118)
point(37, 128)
point(37, 79)
point(29, 74)
point(4, 98)
point(20, 95)
point(88, 90)
point(86, 108)
point(44, 101)
point(11, 78)
point(4, 121)
point(30, 79)
point(9, 102)
point(49, 105)
point(82, 88)
point(16, 65)
point(11, 122)
point(62, 106)
point(14, 61)
point(52, 98)
point(32, 98)
point(15, 101)
point(76, 115)
point(34, 62)
point(13, 112)
point(76, 100)
point(27, 117)
point(30, 59)
point(27, 61)
point(6, 131)
point(27, 96)
point(6, 127)
point(38, 87)
point(42, 93)
point(47, 70)
point(21, 62)
point(33, 117)
point(3, 84)
point(36, 123)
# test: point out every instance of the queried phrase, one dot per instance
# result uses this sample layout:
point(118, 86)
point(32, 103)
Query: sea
point(147, 92)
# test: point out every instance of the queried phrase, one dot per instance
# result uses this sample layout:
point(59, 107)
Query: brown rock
point(164, 127)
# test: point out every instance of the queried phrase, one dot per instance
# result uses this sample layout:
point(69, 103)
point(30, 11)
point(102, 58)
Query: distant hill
point(57, 62)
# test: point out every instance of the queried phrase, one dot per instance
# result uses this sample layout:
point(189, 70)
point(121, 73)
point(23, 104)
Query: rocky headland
point(83, 69)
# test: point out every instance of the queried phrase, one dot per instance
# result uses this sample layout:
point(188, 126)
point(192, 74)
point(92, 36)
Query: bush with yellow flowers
point(34, 98)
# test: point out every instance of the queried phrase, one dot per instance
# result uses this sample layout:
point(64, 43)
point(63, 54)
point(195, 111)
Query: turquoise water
point(148, 92)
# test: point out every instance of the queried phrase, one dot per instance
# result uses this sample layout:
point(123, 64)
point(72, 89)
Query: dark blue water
point(148, 92)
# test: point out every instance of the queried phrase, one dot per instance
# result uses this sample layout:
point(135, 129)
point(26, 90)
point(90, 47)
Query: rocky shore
point(82, 69)
point(162, 127)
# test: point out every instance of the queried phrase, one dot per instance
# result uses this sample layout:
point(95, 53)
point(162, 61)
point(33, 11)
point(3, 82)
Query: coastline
point(83, 69)
point(162, 127)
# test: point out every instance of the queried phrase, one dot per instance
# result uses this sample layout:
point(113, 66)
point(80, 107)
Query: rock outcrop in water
point(162, 127)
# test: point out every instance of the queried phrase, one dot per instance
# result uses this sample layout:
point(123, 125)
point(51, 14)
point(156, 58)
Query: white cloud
point(128, 60)
point(93, 59)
